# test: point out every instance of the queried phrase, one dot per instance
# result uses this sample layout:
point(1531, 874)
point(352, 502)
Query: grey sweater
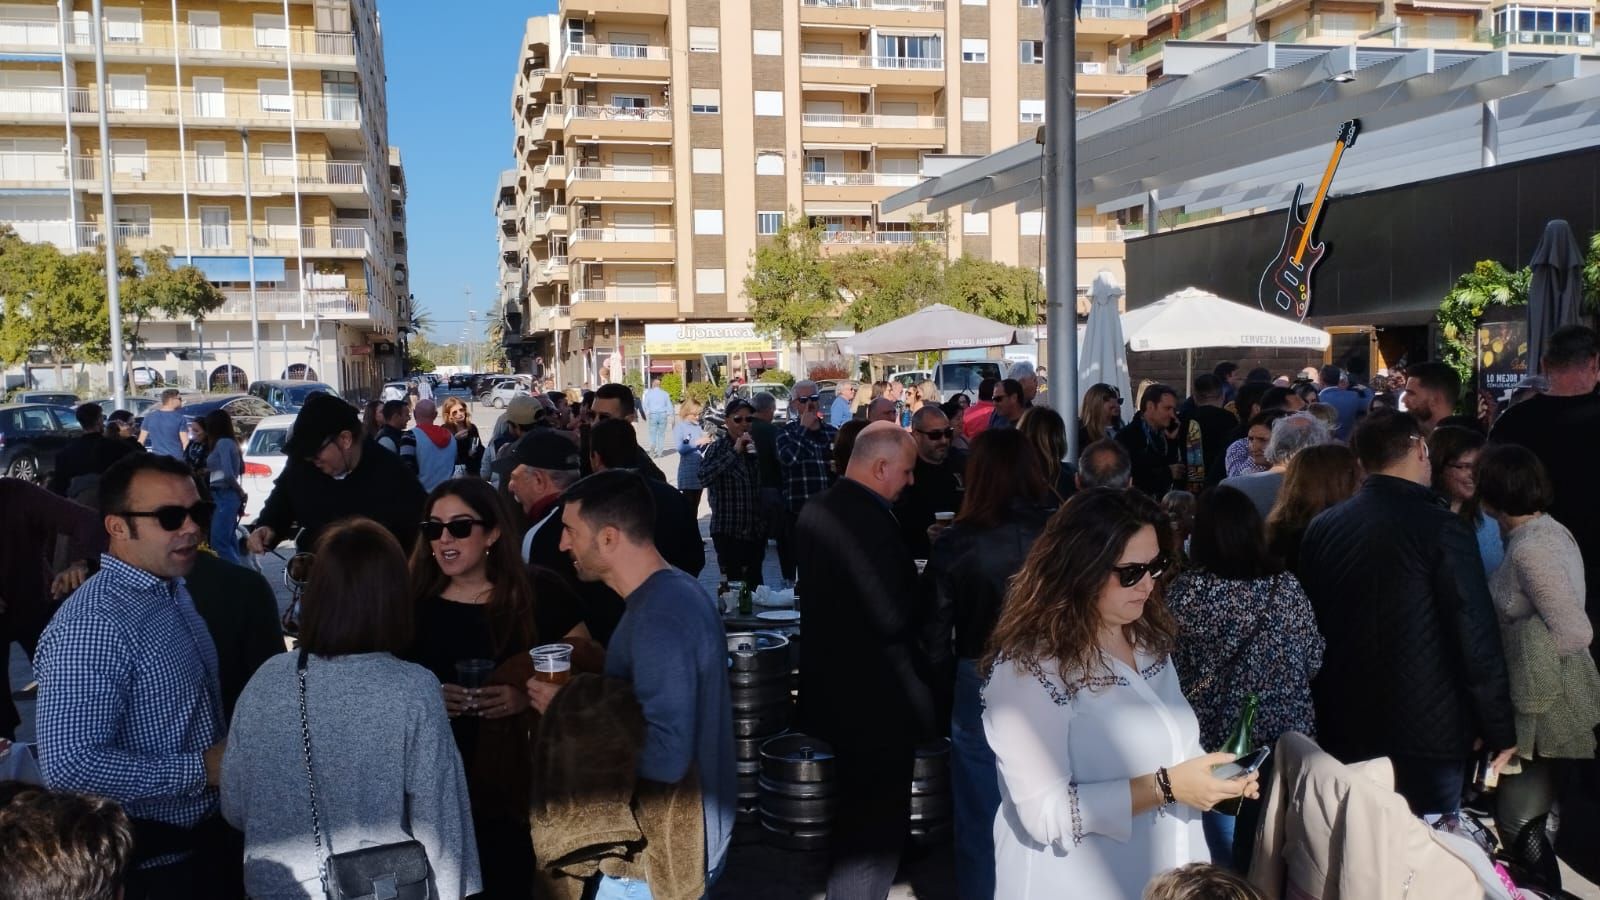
point(1543, 575)
point(386, 766)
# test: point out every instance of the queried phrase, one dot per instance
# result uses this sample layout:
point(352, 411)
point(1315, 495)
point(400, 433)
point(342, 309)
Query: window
point(974, 2)
point(1343, 25)
point(708, 221)
point(133, 220)
point(710, 281)
point(769, 103)
point(128, 92)
point(974, 50)
point(911, 51)
point(271, 32)
point(209, 100)
point(277, 160)
point(703, 40)
point(124, 25)
point(707, 161)
point(975, 223)
point(1031, 53)
point(768, 223)
point(210, 161)
point(1032, 223)
point(128, 158)
point(205, 30)
point(273, 94)
point(1027, 3)
point(769, 162)
point(705, 100)
point(1032, 111)
point(767, 43)
point(974, 109)
point(281, 224)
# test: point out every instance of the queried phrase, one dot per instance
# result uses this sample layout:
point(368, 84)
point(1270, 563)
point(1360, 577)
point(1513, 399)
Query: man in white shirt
point(657, 412)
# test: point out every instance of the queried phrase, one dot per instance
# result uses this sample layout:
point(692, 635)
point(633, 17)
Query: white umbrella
point(1191, 319)
point(1102, 358)
point(933, 327)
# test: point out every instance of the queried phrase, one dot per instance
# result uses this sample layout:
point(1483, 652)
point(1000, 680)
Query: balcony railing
point(894, 5)
point(556, 162)
point(552, 211)
point(314, 238)
point(621, 173)
point(1542, 38)
point(321, 301)
point(1203, 23)
point(33, 167)
point(223, 170)
point(836, 61)
point(1109, 234)
point(195, 38)
point(554, 263)
point(829, 120)
point(1110, 11)
point(197, 105)
point(1146, 52)
point(859, 179)
point(616, 51)
point(880, 237)
point(621, 113)
point(642, 234)
point(625, 294)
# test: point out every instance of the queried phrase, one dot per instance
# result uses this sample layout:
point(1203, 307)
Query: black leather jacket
point(1414, 664)
point(965, 582)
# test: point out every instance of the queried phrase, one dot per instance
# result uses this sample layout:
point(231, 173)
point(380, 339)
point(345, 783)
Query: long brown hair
point(1317, 478)
point(1047, 432)
point(1092, 413)
point(348, 605)
point(1002, 469)
point(511, 603)
point(1051, 614)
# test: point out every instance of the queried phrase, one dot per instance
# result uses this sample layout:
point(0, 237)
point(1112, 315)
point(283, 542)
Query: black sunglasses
point(433, 529)
point(1131, 574)
point(938, 434)
point(170, 518)
point(809, 398)
point(740, 419)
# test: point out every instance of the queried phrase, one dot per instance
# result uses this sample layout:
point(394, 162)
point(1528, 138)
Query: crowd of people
point(1357, 567)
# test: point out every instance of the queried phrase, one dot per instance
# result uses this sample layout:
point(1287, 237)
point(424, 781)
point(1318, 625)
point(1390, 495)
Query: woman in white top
point(1102, 777)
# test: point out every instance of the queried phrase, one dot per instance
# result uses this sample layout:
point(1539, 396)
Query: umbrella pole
point(1188, 371)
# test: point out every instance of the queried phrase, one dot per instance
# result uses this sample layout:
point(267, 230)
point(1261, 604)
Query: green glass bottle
point(747, 600)
point(1239, 744)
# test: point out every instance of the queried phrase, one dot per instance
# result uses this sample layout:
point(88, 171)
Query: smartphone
point(1244, 765)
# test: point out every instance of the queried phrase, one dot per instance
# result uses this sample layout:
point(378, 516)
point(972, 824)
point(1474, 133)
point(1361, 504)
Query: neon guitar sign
point(1286, 284)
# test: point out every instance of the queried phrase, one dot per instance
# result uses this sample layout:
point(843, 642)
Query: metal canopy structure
point(1233, 127)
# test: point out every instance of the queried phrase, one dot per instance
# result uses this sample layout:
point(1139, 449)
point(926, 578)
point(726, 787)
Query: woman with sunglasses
point(477, 618)
point(1100, 416)
point(1245, 627)
point(1102, 776)
point(469, 446)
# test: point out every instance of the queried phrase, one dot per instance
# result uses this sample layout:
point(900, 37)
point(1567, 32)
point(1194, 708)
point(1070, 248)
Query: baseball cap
point(542, 448)
point(322, 417)
point(522, 410)
point(737, 403)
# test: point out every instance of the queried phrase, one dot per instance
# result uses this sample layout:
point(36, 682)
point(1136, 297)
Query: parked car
point(500, 395)
point(264, 461)
point(956, 377)
point(48, 398)
point(136, 405)
point(778, 390)
point(288, 396)
point(395, 390)
point(31, 436)
point(247, 411)
point(487, 386)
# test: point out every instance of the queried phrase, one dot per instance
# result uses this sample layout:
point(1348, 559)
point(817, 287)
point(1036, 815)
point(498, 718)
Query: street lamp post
point(1061, 210)
point(113, 288)
point(250, 255)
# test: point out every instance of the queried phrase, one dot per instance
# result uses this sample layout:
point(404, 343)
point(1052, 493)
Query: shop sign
point(1502, 362)
point(693, 339)
point(360, 349)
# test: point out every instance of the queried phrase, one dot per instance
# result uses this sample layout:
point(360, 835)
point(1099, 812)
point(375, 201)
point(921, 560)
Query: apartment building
point(658, 141)
point(247, 138)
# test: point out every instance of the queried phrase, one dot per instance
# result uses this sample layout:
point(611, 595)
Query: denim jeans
point(636, 889)
point(1219, 829)
point(975, 786)
point(225, 523)
point(658, 432)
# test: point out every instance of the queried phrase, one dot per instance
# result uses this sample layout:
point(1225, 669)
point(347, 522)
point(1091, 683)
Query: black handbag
point(387, 872)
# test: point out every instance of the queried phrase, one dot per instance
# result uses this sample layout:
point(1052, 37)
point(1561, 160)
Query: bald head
point(883, 460)
point(425, 412)
point(881, 410)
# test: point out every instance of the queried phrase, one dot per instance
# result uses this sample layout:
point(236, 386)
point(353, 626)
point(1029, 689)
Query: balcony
point(1148, 56)
point(1204, 27)
point(616, 10)
point(33, 170)
point(198, 44)
point(870, 13)
point(162, 172)
point(620, 183)
point(623, 61)
point(624, 300)
point(1105, 242)
point(322, 241)
point(550, 318)
point(555, 269)
point(1582, 40)
point(228, 109)
point(547, 125)
point(1112, 20)
point(894, 71)
point(835, 243)
point(1109, 77)
point(619, 123)
point(622, 242)
point(853, 186)
point(552, 171)
point(328, 304)
point(553, 217)
point(887, 131)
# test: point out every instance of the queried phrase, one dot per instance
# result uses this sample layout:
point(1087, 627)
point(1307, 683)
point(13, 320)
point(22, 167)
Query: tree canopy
point(792, 294)
point(51, 301)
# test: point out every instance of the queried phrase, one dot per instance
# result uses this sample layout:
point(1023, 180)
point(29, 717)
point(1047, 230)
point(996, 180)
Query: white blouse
point(1066, 749)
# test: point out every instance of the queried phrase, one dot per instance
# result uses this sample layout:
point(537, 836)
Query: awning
point(29, 57)
point(1462, 5)
point(905, 213)
point(836, 88)
point(662, 368)
point(237, 268)
point(838, 209)
point(814, 145)
point(761, 360)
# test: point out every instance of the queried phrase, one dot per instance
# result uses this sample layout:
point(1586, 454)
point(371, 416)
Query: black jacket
point(677, 529)
point(1217, 426)
point(241, 614)
point(89, 454)
point(967, 578)
point(1152, 457)
point(1413, 664)
point(933, 489)
point(380, 488)
point(864, 684)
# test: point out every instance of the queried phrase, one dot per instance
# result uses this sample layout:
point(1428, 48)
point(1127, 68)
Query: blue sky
point(450, 81)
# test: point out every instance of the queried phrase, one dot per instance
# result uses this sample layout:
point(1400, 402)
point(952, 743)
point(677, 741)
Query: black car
point(31, 435)
point(247, 411)
point(288, 396)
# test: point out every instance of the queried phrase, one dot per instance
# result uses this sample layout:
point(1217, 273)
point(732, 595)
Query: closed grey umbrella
point(1555, 295)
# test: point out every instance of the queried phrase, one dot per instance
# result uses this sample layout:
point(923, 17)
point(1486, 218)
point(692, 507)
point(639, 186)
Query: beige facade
point(209, 103)
point(658, 142)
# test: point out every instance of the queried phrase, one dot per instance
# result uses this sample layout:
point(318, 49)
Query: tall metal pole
point(250, 254)
point(1061, 210)
point(113, 288)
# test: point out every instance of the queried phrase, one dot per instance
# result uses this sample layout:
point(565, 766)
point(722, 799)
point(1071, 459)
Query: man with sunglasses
point(937, 480)
point(805, 455)
point(130, 698)
point(731, 471)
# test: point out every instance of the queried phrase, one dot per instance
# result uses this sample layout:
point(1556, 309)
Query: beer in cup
point(552, 663)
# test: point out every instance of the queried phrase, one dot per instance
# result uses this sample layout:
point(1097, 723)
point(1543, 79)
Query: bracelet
point(1164, 783)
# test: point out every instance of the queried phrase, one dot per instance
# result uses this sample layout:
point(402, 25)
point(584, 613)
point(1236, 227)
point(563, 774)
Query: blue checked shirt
point(129, 698)
point(805, 457)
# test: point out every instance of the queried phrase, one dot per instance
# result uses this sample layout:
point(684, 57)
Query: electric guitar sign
point(1286, 284)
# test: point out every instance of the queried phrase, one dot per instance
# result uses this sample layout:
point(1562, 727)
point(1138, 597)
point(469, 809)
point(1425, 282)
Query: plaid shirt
point(805, 458)
point(735, 485)
point(129, 698)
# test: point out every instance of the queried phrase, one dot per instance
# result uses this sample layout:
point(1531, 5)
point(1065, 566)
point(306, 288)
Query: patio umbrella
point(933, 327)
point(1556, 293)
point(1103, 357)
point(1192, 319)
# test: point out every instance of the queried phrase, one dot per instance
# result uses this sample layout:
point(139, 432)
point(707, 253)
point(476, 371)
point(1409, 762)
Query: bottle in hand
point(1239, 744)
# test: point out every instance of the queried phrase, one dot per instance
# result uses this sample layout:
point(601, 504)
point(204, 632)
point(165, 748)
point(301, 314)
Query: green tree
point(493, 358)
point(156, 288)
point(791, 293)
point(54, 301)
point(883, 287)
point(427, 356)
point(994, 290)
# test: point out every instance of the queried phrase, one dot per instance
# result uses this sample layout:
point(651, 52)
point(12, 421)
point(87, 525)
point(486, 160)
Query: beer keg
point(758, 681)
point(797, 792)
point(932, 811)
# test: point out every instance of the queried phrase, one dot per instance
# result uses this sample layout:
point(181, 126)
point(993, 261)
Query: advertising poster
point(1502, 362)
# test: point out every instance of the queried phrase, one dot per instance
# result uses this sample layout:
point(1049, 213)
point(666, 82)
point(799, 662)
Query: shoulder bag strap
point(1233, 658)
point(311, 781)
